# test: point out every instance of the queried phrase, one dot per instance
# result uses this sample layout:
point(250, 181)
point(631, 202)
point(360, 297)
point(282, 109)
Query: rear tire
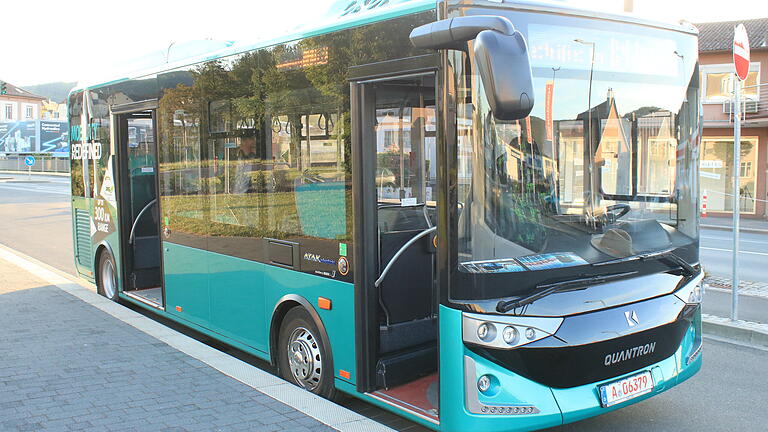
point(107, 276)
point(303, 358)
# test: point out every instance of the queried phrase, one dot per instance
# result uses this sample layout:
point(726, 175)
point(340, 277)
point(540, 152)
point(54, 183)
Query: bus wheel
point(303, 358)
point(107, 282)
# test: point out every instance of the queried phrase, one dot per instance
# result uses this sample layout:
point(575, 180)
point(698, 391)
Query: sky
point(75, 40)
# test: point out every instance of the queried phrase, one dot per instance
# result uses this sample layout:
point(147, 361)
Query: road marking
point(731, 239)
point(323, 410)
point(731, 250)
point(35, 189)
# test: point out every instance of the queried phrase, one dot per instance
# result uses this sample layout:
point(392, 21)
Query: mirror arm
point(454, 33)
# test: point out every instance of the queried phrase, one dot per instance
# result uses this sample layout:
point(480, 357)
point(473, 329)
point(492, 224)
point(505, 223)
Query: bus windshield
point(603, 168)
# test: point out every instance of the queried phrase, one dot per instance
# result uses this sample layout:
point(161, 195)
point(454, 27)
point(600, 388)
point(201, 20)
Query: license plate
point(626, 389)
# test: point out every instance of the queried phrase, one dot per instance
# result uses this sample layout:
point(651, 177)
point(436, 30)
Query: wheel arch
point(286, 303)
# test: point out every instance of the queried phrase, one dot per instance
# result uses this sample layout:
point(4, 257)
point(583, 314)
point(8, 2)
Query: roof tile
point(718, 36)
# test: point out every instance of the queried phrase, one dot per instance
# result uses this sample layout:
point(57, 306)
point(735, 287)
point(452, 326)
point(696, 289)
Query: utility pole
point(741, 56)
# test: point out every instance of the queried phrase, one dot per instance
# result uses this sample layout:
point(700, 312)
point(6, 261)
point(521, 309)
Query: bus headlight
point(506, 332)
point(510, 335)
point(486, 331)
point(693, 292)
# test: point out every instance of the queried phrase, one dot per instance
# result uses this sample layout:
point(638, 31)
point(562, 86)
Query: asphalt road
point(729, 393)
point(717, 252)
point(35, 218)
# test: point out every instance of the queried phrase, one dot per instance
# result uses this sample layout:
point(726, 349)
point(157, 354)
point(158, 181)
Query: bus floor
point(154, 295)
point(420, 396)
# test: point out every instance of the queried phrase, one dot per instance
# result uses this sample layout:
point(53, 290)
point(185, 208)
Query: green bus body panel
point(236, 298)
point(186, 283)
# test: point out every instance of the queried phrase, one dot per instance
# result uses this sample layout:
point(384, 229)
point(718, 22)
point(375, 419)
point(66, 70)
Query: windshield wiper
point(544, 290)
point(666, 254)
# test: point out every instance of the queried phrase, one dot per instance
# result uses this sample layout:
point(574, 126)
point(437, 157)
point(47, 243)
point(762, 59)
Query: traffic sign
point(29, 160)
point(741, 51)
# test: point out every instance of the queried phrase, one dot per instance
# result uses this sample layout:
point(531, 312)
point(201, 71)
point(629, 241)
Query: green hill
point(56, 91)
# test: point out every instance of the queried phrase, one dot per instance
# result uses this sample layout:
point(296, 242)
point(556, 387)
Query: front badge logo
point(632, 319)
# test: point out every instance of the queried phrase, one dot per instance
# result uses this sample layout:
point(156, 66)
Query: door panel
point(184, 231)
point(395, 172)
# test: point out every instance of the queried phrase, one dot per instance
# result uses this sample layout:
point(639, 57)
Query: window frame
point(706, 69)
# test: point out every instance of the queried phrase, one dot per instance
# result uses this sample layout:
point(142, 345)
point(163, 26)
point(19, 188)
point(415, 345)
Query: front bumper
point(519, 403)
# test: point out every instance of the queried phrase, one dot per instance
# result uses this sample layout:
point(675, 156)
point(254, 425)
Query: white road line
point(323, 410)
point(731, 250)
point(36, 189)
point(731, 239)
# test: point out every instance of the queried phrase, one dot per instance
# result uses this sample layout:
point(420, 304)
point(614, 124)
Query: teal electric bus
point(476, 214)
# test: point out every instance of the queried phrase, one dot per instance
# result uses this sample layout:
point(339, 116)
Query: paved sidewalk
point(757, 289)
point(66, 365)
point(748, 332)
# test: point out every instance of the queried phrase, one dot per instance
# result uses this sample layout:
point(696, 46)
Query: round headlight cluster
point(487, 332)
point(697, 293)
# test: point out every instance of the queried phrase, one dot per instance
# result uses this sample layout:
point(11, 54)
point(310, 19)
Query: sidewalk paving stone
point(66, 365)
point(757, 289)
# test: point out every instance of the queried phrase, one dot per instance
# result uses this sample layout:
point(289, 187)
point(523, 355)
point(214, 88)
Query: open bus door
point(140, 224)
point(394, 152)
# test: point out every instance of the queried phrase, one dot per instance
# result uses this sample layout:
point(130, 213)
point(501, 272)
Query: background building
point(717, 79)
point(18, 104)
point(22, 128)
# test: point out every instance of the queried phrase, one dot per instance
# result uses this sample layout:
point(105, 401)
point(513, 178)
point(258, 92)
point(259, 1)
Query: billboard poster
point(53, 137)
point(34, 136)
point(19, 137)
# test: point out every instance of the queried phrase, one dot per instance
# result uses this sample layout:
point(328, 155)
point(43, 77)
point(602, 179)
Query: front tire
point(107, 280)
point(303, 358)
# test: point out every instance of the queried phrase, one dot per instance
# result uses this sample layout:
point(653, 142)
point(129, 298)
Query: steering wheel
point(622, 209)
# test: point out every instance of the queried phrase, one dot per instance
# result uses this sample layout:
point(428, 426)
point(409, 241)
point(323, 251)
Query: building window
point(718, 83)
point(29, 112)
point(9, 112)
point(717, 173)
point(746, 169)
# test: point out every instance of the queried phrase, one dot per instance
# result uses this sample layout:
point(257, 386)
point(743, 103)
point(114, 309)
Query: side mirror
point(501, 56)
point(505, 69)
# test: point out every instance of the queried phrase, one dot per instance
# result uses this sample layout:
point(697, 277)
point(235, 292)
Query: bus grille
point(83, 237)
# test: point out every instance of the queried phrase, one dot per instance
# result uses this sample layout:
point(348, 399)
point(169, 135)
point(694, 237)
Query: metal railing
point(43, 163)
point(753, 104)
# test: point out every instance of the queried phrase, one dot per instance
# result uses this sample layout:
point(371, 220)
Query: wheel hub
point(108, 279)
point(304, 358)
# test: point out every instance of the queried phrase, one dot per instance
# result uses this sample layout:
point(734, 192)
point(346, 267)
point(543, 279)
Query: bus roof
point(343, 14)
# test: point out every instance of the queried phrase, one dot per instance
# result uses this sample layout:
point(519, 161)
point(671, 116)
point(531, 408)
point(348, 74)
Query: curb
point(743, 332)
point(36, 173)
point(335, 416)
point(741, 229)
point(743, 292)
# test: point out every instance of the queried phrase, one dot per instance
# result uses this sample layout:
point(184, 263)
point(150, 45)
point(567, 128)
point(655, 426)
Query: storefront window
point(717, 174)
